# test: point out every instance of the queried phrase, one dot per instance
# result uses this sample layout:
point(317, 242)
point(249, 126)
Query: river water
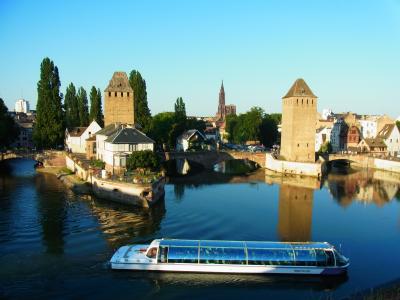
point(55, 244)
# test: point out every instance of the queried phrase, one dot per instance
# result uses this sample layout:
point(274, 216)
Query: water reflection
point(235, 167)
point(123, 224)
point(368, 187)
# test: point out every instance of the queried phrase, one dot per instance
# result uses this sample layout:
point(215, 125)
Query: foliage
point(97, 163)
point(49, 127)
point(398, 124)
point(161, 126)
point(180, 110)
point(71, 107)
point(325, 148)
point(83, 107)
point(253, 125)
point(176, 130)
point(9, 130)
point(95, 106)
point(142, 111)
point(143, 159)
point(193, 123)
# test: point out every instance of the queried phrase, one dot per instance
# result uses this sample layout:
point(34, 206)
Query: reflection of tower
point(295, 213)
point(221, 103)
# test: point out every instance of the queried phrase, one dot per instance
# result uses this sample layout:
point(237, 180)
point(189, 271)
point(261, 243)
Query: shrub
point(143, 159)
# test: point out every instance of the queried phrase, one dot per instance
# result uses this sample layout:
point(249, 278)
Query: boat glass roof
point(242, 244)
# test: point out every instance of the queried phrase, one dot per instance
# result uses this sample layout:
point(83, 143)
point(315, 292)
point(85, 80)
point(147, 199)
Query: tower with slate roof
point(119, 106)
point(299, 112)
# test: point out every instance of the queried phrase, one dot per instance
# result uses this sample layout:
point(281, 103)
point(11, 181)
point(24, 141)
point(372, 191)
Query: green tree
point(269, 130)
point(325, 148)
point(180, 110)
point(193, 123)
point(49, 127)
point(71, 107)
point(83, 107)
point(398, 124)
point(143, 159)
point(95, 106)
point(9, 130)
point(161, 126)
point(142, 111)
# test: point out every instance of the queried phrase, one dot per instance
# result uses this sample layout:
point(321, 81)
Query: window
point(298, 145)
point(297, 101)
point(109, 94)
point(128, 94)
point(162, 254)
point(301, 101)
point(270, 256)
point(115, 94)
point(305, 257)
point(133, 148)
point(183, 255)
point(122, 94)
point(214, 255)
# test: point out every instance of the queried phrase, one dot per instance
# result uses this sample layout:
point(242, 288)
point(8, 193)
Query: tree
point(143, 159)
point(83, 107)
point(9, 130)
point(95, 106)
point(49, 126)
point(142, 111)
point(161, 126)
point(398, 124)
point(325, 148)
point(180, 110)
point(269, 130)
point(71, 107)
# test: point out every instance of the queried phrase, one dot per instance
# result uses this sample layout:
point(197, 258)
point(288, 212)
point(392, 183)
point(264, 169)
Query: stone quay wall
point(290, 167)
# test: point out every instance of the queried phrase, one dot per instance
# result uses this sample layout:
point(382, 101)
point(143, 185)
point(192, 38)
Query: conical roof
point(300, 89)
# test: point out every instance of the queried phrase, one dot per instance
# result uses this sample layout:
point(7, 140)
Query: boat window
point(217, 244)
point(305, 257)
point(162, 254)
point(270, 256)
point(152, 253)
point(183, 255)
point(269, 245)
point(340, 259)
point(321, 257)
point(213, 255)
point(331, 259)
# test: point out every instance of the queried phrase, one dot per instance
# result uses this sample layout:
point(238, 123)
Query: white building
point(371, 125)
point(75, 138)
point(326, 113)
point(189, 138)
point(322, 136)
point(391, 136)
point(22, 106)
point(116, 141)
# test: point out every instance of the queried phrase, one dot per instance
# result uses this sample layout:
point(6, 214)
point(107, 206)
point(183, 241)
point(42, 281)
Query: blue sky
point(347, 51)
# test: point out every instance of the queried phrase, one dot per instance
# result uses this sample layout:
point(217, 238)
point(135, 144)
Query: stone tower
point(299, 113)
point(119, 105)
point(221, 103)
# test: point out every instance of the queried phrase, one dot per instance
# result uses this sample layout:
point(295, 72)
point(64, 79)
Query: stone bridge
point(209, 158)
point(48, 157)
point(362, 160)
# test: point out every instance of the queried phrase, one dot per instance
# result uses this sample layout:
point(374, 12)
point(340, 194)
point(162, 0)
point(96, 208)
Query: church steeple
point(221, 103)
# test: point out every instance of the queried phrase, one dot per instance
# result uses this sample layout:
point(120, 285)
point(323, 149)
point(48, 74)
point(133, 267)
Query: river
point(55, 244)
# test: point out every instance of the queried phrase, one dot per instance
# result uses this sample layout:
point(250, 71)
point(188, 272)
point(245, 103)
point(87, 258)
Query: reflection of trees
point(52, 212)
point(295, 213)
point(121, 224)
point(367, 187)
point(179, 191)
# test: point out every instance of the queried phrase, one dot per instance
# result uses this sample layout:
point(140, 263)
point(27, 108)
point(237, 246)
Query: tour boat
point(213, 256)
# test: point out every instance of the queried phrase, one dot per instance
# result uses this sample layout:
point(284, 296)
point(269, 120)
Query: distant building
point(373, 146)
point(338, 135)
point(224, 110)
point(22, 106)
point(391, 136)
point(190, 139)
point(116, 141)
point(353, 137)
point(371, 125)
point(322, 136)
point(24, 139)
point(212, 133)
point(119, 105)
point(298, 123)
point(75, 138)
point(326, 113)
